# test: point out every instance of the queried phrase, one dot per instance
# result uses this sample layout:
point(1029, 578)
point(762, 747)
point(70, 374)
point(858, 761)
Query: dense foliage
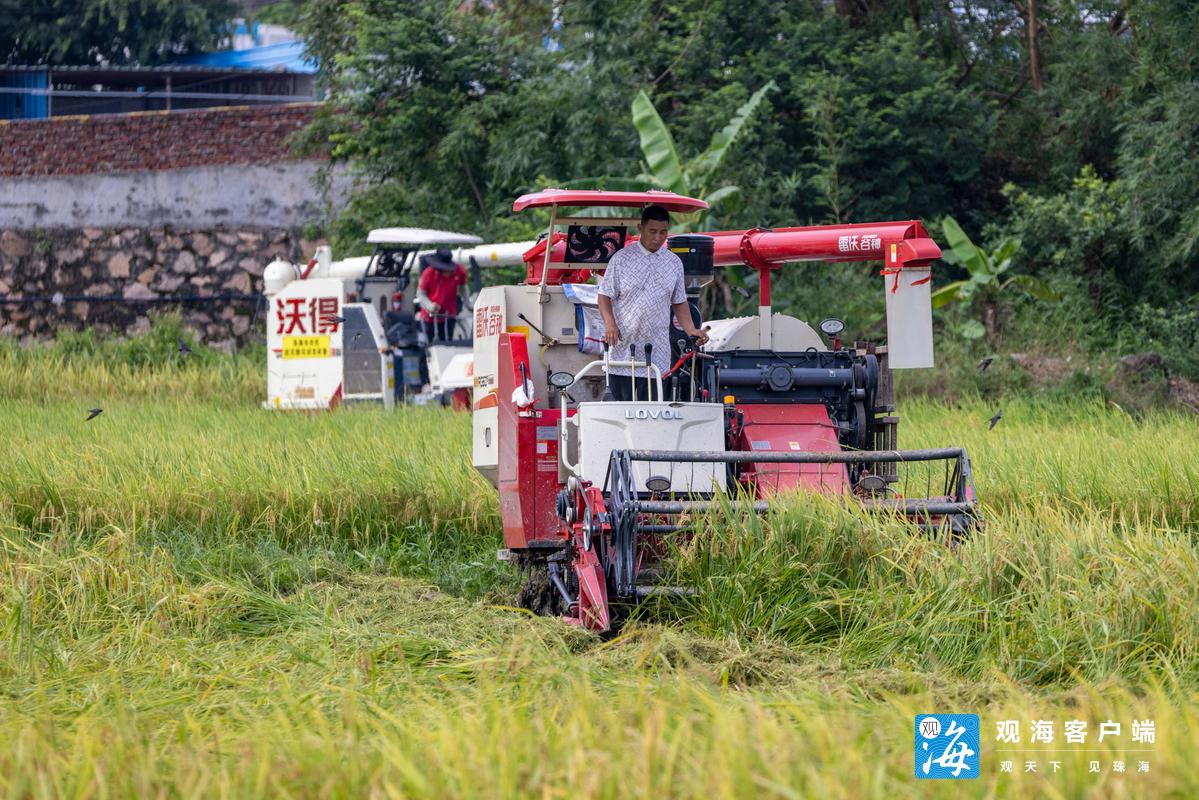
point(82, 32)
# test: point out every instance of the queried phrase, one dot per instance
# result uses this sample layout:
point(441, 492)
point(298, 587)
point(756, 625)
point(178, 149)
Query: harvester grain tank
point(588, 488)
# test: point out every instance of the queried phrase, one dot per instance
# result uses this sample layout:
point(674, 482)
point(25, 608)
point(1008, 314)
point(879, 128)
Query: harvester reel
point(623, 512)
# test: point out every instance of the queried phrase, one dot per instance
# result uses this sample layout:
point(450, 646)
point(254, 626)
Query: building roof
point(284, 57)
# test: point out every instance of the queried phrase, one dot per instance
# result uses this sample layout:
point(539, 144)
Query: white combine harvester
point(347, 331)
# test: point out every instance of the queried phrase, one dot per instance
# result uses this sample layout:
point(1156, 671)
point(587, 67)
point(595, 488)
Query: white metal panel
point(459, 373)
point(604, 427)
point(379, 383)
point(490, 316)
point(454, 364)
point(909, 319)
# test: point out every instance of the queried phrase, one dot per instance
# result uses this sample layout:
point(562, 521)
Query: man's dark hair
point(656, 213)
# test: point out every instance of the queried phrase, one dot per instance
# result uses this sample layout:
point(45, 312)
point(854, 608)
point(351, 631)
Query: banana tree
point(663, 168)
point(987, 281)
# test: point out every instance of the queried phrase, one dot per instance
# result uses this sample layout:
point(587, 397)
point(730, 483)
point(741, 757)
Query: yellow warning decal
point(305, 347)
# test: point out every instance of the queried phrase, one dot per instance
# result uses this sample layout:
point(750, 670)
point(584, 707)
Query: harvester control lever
point(544, 339)
point(649, 392)
point(524, 379)
point(633, 369)
point(607, 396)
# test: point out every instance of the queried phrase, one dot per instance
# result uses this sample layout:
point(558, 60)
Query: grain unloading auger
point(591, 490)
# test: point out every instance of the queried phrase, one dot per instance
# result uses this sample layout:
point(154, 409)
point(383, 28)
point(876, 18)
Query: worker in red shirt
point(437, 294)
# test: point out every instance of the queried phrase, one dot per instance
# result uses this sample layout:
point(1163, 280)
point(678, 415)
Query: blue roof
point(286, 57)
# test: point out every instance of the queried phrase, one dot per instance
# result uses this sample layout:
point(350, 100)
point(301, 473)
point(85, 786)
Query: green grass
point(199, 597)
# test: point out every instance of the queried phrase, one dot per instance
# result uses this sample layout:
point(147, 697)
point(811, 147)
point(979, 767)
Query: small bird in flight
point(984, 363)
point(995, 419)
point(92, 413)
point(184, 350)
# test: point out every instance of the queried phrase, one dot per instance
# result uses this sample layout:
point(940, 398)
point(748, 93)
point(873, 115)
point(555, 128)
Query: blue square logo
point(946, 746)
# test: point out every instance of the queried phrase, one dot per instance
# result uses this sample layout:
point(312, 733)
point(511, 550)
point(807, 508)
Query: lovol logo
point(652, 413)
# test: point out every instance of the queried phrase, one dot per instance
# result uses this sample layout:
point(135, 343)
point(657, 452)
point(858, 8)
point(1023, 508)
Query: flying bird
point(741, 291)
point(184, 350)
point(995, 419)
point(984, 363)
point(92, 413)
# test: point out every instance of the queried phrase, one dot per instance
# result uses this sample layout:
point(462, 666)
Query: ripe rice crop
point(199, 597)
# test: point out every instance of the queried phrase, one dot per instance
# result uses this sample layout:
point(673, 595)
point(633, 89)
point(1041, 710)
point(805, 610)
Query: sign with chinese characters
point(859, 243)
point(489, 321)
point(306, 347)
point(307, 315)
point(304, 344)
point(1039, 746)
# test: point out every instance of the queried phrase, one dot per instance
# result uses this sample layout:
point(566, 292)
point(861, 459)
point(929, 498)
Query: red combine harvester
point(590, 488)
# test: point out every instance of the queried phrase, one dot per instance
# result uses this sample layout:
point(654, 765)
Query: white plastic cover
point(419, 236)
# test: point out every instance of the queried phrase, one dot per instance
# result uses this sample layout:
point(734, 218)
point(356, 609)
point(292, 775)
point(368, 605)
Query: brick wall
point(151, 140)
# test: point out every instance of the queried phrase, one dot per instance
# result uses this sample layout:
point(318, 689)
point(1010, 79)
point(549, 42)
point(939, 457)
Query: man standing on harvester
point(642, 285)
point(437, 294)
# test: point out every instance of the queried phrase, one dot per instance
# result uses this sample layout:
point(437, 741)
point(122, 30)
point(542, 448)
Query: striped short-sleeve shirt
point(643, 286)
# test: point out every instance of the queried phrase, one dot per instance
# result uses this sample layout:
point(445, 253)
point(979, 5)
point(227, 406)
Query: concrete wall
point(278, 195)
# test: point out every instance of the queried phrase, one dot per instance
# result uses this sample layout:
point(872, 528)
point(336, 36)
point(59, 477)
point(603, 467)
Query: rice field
point(202, 598)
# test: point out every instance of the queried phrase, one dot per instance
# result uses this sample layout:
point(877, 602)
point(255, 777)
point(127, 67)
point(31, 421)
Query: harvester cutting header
point(590, 487)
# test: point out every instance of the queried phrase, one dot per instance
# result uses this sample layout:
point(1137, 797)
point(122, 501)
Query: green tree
point(1159, 149)
point(988, 281)
point(84, 32)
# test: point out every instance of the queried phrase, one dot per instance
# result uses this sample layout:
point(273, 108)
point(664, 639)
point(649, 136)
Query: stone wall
point(113, 279)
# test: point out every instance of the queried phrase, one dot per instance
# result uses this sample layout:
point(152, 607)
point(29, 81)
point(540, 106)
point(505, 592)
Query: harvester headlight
point(832, 326)
point(657, 484)
point(561, 380)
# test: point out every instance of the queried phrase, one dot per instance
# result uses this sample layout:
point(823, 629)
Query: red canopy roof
point(598, 197)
